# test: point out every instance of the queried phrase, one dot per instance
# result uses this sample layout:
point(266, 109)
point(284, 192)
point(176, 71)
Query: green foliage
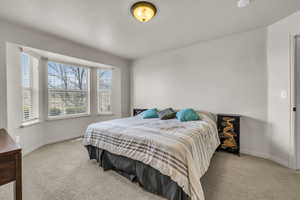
point(55, 111)
point(75, 110)
point(26, 111)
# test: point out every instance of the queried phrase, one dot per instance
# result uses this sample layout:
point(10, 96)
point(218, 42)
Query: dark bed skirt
point(147, 177)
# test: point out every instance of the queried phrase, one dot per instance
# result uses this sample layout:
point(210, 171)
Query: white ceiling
point(108, 25)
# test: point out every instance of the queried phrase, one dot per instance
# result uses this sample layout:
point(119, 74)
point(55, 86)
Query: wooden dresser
point(10, 163)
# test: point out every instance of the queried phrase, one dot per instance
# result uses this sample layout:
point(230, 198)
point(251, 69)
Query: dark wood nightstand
point(137, 111)
point(10, 163)
point(229, 133)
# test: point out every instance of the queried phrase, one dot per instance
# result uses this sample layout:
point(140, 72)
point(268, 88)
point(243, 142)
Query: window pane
point(104, 101)
point(27, 105)
point(25, 69)
point(105, 79)
point(67, 77)
point(30, 98)
point(66, 103)
point(104, 90)
point(68, 91)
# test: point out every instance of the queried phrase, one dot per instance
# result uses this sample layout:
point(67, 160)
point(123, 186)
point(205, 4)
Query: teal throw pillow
point(151, 113)
point(187, 115)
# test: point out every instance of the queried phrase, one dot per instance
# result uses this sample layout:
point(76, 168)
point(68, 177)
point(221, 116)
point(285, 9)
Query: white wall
point(227, 75)
point(50, 131)
point(279, 76)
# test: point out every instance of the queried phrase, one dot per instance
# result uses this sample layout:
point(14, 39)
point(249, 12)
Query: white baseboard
point(280, 161)
point(243, 151)
point(63, 140)
point(26, 151)
point(276, 159)
point(255, 153)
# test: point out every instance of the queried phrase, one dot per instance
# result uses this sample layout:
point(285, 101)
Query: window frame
point(33, 89)
point(68, 116)
point(111, 92)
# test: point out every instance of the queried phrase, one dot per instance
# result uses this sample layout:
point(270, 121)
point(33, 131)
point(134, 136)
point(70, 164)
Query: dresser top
point(229, 115)
point(7, 144)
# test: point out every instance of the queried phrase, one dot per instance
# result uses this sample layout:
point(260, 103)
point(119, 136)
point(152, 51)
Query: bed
point(166, 157)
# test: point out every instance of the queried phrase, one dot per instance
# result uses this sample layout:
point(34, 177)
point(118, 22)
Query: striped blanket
point(180, 150)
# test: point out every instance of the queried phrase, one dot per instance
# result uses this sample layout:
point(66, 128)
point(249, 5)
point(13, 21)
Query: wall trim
point(255, 153)
point(28, 151)
point(293, 150)
point(284, 163)
point(243, 151)
point(280, 161)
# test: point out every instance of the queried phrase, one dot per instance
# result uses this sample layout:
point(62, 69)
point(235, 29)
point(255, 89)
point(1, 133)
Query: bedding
point(179, 150)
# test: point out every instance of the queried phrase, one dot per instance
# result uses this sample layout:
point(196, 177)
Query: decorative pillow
point(187, 115)
point(166, 114)
point(151, 113)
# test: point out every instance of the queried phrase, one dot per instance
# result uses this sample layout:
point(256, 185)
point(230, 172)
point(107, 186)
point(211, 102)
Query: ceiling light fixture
point(143, 11)
point(243, 3)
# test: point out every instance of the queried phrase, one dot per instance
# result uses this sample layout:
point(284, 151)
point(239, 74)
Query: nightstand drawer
point(7, 169)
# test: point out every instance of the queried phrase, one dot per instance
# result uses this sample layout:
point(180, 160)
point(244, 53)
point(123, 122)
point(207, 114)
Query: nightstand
point(229, 133)
point(137, 111)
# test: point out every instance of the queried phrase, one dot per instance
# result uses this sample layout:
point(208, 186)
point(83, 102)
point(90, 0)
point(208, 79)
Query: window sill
point(68, 117)
point(106, 114)
point(30, 123)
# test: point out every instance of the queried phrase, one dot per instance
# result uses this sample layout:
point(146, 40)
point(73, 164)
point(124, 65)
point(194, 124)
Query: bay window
point(66, 92)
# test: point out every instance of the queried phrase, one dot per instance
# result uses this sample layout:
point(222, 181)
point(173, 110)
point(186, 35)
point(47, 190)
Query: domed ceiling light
point(143, 11)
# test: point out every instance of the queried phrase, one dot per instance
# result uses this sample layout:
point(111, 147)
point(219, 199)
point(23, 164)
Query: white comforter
point(180, 150)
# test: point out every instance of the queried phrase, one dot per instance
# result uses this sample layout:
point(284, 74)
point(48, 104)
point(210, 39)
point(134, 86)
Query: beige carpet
point(63, 172)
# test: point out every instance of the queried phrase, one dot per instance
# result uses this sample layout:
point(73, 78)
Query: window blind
point(104, 90)
point(29, 93)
